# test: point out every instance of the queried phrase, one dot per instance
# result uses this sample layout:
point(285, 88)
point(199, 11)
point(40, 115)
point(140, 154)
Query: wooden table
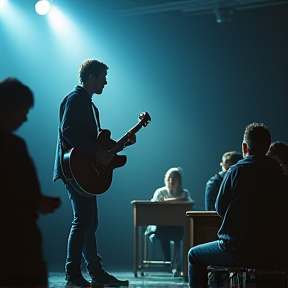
point(200, 227)
point(159, 213)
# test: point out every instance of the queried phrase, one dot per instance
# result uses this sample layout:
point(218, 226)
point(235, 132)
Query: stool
point(236, 277)
point(245, 278)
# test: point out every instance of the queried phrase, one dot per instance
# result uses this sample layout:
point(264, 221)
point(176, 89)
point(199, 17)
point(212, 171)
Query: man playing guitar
point(79, 128)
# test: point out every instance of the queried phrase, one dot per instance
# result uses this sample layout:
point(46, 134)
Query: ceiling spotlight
point(42, 7)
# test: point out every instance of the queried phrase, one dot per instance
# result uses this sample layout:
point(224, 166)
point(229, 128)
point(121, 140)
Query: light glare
point(42, 7)
point(2, 2)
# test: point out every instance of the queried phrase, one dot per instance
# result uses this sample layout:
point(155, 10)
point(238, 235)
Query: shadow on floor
point(151, 279)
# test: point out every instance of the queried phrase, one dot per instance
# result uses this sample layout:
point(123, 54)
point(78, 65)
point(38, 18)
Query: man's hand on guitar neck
point(131, 139)
point(104, 156)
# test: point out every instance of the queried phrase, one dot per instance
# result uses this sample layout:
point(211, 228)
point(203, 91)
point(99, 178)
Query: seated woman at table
point(173, 192)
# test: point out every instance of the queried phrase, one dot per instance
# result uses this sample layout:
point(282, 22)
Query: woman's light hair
point(173, 170)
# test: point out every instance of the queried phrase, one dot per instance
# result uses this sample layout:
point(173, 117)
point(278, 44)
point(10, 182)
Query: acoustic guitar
point(89, 176)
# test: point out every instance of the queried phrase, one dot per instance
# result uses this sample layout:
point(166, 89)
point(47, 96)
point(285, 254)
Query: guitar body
point(86, 174)
point(91, 177)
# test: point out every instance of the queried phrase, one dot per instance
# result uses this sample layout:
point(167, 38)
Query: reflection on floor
point(155, 279)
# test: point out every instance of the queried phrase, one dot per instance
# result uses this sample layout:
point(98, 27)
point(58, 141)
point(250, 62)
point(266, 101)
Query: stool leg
point(235, 280)
point(244, 279)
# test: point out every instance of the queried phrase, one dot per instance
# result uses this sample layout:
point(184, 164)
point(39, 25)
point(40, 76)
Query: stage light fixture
point(42, 7)
point(2, 2)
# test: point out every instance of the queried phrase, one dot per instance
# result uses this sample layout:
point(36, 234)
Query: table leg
point(186, 247)
point(135, 249)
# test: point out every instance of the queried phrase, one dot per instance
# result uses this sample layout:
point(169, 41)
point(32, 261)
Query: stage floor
point(152, 279)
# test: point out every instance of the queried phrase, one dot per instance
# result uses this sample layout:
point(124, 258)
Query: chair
point(150, 245)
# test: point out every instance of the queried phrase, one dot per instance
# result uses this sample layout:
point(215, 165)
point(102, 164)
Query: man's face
point(100, 82)
point(225, 165)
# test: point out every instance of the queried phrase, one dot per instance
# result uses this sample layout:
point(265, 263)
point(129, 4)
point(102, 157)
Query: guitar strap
point(96, 115)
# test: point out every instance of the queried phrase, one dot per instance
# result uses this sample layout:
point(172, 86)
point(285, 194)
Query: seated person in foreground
point(212, 186)
point(21, 200)
point(250, 235)
point(172, 191)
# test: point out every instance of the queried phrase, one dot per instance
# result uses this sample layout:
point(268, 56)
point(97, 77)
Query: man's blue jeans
point(82, 240)
point(203, 255)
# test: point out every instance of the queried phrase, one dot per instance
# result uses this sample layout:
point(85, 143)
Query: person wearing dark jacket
point(213, 184)
point(21, 200)
point(278, 150)
point(79, 127)
point(247, 236)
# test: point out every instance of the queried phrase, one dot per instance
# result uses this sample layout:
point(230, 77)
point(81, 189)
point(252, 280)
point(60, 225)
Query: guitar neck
point(123, 140)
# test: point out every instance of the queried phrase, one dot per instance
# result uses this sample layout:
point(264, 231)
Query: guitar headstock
point(144, 118)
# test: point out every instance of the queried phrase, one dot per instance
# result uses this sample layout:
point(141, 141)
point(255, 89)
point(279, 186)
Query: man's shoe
point(77, 281)
point(103, 278)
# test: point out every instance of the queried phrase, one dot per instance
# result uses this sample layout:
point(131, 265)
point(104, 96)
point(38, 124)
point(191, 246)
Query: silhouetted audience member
point(21, 200)
point(279, 151)
point(250, 235)
point(211, 191)
point(212, 186)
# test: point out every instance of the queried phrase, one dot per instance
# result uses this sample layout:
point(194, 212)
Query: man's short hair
point(258, 138)
point(14, 94)
point(231, 157)
point(279, 149)
point(89, 67)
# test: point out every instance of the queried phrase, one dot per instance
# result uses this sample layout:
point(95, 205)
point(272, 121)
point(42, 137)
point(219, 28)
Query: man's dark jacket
point(77, 128)
point(253, 201)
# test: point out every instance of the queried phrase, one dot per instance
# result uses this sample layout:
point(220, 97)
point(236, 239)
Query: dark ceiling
point(223, 9)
